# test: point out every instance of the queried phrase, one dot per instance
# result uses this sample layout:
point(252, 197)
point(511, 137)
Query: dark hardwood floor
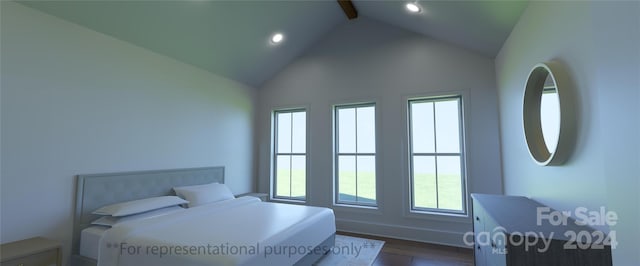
point(397, 252)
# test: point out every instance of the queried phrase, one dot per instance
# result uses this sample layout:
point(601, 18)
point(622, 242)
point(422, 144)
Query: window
point(437, 155)
point(290, 155)
point(355, 158)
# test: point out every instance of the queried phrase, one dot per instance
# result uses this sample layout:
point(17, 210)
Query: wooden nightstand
point(261, 196)
point(35, 251)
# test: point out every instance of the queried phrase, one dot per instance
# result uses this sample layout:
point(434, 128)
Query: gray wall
point(76, 102)
point(598, 42)
point(364, 60)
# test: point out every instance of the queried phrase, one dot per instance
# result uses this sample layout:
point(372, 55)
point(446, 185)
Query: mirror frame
point(531, 114)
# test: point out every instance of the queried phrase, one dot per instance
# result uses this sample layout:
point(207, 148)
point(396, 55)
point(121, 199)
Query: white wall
point(78, 102)
point(364, 60)
point(599, 43)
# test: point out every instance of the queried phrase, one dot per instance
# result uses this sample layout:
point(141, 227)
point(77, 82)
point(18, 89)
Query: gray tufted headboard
point(97, 190)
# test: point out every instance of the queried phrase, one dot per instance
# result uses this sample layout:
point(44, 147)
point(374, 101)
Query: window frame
point(462, 155)
point(275, 153)
point(337, 154)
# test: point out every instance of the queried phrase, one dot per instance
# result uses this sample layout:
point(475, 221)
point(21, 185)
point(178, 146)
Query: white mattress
point(272, 230)
point(90, 241)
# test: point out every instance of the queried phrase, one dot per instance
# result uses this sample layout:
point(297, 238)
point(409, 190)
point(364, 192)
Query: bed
point(241, 231)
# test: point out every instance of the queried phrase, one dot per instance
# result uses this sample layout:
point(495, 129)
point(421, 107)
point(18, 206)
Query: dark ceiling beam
point(348, 8)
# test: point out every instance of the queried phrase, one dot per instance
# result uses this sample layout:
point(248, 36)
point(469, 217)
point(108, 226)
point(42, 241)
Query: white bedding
point(243, 231)
point(90, 241)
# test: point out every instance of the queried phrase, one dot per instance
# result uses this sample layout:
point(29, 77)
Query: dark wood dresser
point(513, 230)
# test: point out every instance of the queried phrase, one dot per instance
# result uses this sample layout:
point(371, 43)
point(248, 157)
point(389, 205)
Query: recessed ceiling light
point(413, 7)
point(277, 38)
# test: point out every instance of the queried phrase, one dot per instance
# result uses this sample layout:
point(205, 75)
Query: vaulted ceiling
point(231, 38)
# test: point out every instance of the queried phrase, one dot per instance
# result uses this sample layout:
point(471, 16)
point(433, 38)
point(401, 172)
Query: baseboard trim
point(426, 235)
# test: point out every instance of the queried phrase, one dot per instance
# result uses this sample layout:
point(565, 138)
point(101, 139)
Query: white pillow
point(139, 206)
point(203, 194)
point(112, 220)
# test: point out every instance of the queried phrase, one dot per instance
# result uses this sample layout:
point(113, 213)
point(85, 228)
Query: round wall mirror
point(546, 124)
